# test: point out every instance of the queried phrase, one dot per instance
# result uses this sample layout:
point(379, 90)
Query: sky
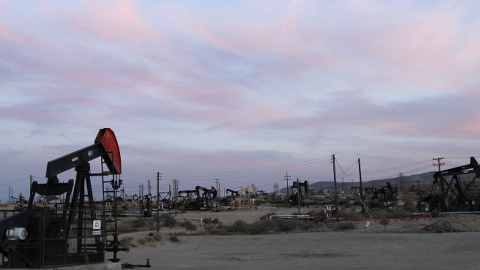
point(241, 91)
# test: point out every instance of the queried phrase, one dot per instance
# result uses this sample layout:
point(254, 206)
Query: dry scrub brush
point(189, 226)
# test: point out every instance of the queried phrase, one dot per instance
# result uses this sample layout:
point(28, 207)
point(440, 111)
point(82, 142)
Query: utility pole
point(175, 190)
point(158, 202)
point(400, 175)
point(287, 177)
point(298, 195)
point(307, 193)
point(396, 183)
point(217, 186)
point(335, 178)
point(170, 196)
point(275, 188)
point(361, 184)
point(442, 184)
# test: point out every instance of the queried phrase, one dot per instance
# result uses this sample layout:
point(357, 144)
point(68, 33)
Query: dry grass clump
point(151, 238)
point(174, 238)
point(345, 226)
point(124, 242)
point(265, 226)
point(139, 222)
point(217, 230)
point(189, 226)
point(169, 220)
point(209, 220)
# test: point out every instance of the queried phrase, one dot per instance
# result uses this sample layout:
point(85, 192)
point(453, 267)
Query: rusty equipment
point(71, 235)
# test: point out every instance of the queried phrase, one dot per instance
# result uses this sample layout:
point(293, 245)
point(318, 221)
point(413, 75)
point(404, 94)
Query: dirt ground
point(402, 244)
point(334, 250)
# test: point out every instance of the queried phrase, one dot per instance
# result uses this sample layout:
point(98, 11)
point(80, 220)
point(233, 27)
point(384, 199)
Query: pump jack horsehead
point(39, 237)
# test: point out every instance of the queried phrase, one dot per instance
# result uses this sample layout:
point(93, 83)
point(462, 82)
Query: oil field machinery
point(199, 198)
point(454, 194)
point(381, 196)
point(41, 237)
point(299, 196)
point(229, 198)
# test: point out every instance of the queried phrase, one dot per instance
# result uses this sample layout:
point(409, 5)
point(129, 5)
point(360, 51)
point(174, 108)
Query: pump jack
point(38, 237)
point(455, 195)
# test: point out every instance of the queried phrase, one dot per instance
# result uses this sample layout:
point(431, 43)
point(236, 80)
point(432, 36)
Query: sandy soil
point(402, 244)
point(313, 250)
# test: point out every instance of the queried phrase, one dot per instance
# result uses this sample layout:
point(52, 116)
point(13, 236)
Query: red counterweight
point(109, 142)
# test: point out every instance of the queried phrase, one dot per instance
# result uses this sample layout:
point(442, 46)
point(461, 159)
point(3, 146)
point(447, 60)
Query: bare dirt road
point(328, 250)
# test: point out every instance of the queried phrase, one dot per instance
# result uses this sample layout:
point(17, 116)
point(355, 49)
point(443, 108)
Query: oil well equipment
point(71, 233)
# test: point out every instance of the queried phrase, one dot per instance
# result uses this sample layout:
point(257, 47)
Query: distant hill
point(424, 178)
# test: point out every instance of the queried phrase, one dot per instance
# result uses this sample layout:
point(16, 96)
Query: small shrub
point(169, 220)
point(240, 226)
point(435, 213)
point(142, 241)
point(352, 214)
point(357, 202)
point(342, 202)
point(149, 239)
point(312, 227)
point(189, 226)
point(157, 237)
point(215, 221)
point(174, 238)
point(139, 222)
point(264, 226)
point(119, 211)
point(289, 225)
point(398, 213)
point(384, 222)
point(409, 206)
point(122, 227)
point(344, 226)
point(124, 242)
point(379, 213)
point(208, 220)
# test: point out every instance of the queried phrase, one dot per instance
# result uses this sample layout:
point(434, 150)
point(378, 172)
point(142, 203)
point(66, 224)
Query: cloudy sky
point(241, 91)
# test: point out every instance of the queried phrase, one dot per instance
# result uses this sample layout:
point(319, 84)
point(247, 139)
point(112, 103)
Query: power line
point(27, 178)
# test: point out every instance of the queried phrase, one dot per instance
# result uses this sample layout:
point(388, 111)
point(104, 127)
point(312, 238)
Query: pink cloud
point(10, 35)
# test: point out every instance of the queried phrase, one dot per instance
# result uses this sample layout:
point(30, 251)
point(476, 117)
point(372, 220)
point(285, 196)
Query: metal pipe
point(291, 216)
point(447, 213)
